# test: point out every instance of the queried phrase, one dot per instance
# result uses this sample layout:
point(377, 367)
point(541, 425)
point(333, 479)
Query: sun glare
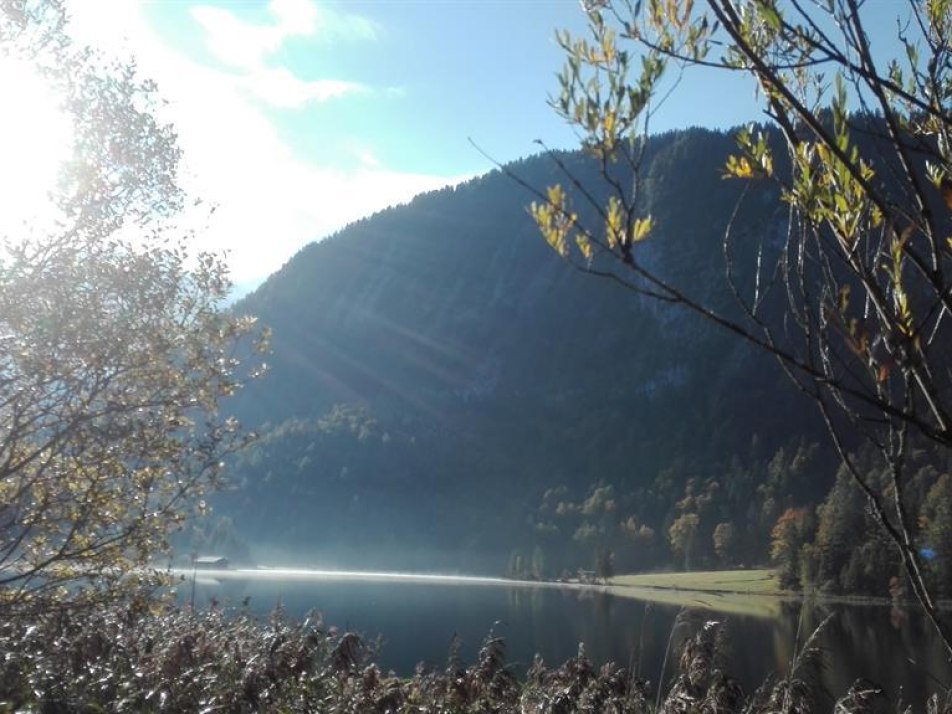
point(35, 141)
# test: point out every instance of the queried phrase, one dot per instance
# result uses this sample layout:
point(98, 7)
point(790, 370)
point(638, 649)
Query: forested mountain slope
point(441, 381)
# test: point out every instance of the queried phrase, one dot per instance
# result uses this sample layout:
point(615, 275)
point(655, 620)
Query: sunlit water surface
point(417, 616)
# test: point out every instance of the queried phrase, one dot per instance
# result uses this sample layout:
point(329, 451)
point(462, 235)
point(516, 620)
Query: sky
point(297, 117)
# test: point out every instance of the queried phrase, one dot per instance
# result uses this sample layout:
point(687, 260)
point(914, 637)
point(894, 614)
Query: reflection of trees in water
point(630, 633)
point(418, 621)
point(859, 641)
point(784, 638)
point(864, 641)
point(537, 622)
point(609, 634)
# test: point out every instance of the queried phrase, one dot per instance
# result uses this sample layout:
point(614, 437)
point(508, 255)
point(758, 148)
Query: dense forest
point(446, 394)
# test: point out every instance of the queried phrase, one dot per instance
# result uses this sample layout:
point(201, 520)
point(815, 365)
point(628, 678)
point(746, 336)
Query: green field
point(747, 592)
point(765, 606)
point(755, 582)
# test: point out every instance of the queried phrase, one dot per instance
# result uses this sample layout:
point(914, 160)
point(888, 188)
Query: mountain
point(447, 393)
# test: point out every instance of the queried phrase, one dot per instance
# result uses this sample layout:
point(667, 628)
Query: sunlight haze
point(476, 355)
point(299, 117)
point(35, 139)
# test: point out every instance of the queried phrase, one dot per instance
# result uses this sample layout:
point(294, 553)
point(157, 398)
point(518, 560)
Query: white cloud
point(247, 45)
point(270, 202)
point(280, 88)
point(246, 48)
point(296, 17)
point(345, 26)
point(367, 157)
point(234, 42)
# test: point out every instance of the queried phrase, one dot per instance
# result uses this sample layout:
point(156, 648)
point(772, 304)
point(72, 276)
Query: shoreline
point(750, 604)
point(671, 589)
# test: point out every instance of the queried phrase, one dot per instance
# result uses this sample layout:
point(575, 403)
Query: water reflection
point(418, 618)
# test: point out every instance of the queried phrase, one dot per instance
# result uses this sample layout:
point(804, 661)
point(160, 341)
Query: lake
point(416, 618)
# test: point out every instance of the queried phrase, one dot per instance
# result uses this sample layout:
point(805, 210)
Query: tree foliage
point(936, 521)
point(786, 540)
point(114, 349)
point(682, 533)
point(723, 537)
point(851, 289)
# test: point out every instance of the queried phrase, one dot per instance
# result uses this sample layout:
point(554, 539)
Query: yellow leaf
point(584, 245)
point(614, 225)
point(738, 167)
point(642, 228)
point(844, 297)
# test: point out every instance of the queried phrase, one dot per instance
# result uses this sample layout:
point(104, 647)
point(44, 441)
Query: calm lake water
point(416, 619)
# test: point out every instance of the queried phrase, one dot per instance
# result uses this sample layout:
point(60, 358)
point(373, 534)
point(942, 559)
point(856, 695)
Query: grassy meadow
point(750, 582)
point(755, 593)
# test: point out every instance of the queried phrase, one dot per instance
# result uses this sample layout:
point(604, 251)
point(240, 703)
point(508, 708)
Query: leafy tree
point(682, 534)
point(600, 501)
point(851, 287)
point(604, 563)
point(724, 540)
point(114, 350)
point(936, 522)
point(791, 532)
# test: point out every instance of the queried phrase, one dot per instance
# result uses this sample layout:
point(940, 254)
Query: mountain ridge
point(449, 321)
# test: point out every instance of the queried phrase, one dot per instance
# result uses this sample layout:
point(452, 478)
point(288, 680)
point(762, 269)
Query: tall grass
point(133, 660)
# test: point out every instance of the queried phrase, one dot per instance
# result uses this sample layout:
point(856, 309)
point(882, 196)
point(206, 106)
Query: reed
point(179, 660)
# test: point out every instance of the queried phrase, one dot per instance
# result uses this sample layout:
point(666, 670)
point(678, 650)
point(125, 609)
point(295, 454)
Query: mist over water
point(354, 575)
point(417, 615)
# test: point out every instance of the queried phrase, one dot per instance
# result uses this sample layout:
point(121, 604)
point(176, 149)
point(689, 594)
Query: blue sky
point(299, 116)
point(415, 78)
